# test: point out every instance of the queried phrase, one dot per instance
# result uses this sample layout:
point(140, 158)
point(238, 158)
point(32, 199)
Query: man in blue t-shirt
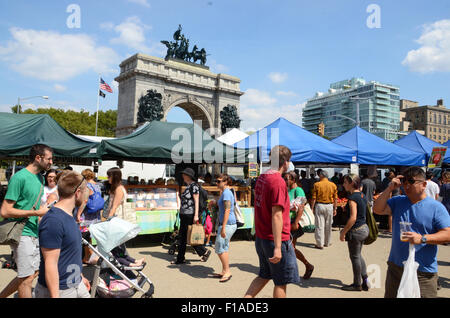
point(60, 242)
point(430, 226)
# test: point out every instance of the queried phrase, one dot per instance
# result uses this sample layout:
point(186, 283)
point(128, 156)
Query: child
point(121, 255)
point(207, 222)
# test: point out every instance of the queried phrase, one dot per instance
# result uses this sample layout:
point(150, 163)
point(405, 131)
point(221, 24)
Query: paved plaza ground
point(332, 269)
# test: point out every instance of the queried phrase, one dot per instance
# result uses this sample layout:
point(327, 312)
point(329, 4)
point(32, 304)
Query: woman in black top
point(356, 231)
point(189, 213)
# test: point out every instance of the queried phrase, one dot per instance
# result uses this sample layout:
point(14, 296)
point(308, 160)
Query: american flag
point(105, 86)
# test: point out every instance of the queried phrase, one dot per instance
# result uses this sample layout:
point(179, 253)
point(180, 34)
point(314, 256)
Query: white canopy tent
point(232, 137)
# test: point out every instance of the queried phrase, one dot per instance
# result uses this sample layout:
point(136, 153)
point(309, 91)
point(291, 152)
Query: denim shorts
point(284, 272)
point(223, 244)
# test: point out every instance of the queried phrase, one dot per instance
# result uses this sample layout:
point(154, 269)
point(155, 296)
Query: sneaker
point(351, 288)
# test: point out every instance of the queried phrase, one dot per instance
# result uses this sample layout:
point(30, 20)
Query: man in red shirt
point(272, 228)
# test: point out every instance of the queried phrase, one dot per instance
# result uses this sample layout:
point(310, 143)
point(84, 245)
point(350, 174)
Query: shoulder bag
point(11, 229)
point(240, 222)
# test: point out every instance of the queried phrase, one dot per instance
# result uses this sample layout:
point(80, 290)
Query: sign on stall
point(253, 169)
point(437, 156)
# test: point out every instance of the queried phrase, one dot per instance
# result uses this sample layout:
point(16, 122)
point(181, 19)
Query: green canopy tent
point(19, 132)
point(163, 142)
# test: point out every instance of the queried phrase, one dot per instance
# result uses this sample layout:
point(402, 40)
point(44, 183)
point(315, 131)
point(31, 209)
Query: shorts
point(297, 233)
point(75, 292)
point(223, 244)
point(284, 272)
point(27, 256)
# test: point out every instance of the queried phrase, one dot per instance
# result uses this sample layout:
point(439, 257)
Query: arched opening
point(178, 115)
point(182, 110)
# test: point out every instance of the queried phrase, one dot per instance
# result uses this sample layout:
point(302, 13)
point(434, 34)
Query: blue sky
point(283, 51)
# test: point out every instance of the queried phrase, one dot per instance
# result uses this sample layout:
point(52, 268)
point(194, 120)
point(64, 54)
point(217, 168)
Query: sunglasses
point(219, 181)
point(79, 185)
point(411, 181)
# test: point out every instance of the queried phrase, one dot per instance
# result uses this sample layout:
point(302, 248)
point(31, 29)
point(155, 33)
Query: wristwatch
point(424, 239)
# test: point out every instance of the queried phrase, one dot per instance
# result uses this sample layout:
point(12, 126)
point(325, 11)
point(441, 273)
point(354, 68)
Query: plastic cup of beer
point(404, 227)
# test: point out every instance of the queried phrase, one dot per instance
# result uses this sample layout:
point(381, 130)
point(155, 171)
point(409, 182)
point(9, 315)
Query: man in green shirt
point(25, 189)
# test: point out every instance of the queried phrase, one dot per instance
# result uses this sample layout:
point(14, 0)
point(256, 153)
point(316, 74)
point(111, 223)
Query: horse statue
point(200, 55)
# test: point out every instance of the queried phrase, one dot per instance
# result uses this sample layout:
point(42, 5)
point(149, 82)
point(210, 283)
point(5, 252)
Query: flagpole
point(98, 102)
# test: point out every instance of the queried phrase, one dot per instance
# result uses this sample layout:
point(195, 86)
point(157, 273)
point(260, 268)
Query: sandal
point(225, 279)
point(215, 275)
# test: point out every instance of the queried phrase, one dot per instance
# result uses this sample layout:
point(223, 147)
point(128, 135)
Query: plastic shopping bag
point(409, 285)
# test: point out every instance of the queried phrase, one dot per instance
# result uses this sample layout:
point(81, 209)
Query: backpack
point(202, 198)
point(95, 201)
point(373, 227)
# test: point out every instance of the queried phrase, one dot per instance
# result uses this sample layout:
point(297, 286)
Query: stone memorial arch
point(192, 87)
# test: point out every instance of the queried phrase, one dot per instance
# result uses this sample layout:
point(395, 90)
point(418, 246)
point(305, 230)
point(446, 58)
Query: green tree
point(80, 123)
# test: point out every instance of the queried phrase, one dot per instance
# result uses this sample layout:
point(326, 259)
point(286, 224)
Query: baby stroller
point(111, 278)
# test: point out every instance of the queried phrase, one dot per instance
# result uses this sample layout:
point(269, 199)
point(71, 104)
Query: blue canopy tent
point(419, 143)
point(305, 146)
point(373, 150)
point(447, 144)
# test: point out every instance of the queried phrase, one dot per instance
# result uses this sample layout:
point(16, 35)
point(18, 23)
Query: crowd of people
point(60, 206)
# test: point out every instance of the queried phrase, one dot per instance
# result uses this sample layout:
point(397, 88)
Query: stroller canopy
point(113, 233)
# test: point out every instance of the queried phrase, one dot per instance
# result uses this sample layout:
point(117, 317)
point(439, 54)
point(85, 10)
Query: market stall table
point(154, 207)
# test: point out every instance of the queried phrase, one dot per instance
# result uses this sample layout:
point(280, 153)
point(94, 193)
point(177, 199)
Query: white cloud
point(115, 85)
point(434, 53)
point(254, 97)
point(59, 88)
point(277, 77)
point(259, 109)
point(141, 2)
point(51, 56)
point(217, 68)
point(287, 94)
point(131, 33)
point(108, 26)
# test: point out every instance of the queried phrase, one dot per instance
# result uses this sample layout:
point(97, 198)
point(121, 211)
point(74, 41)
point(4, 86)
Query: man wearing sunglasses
point(60, 271)
point(430, 225)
